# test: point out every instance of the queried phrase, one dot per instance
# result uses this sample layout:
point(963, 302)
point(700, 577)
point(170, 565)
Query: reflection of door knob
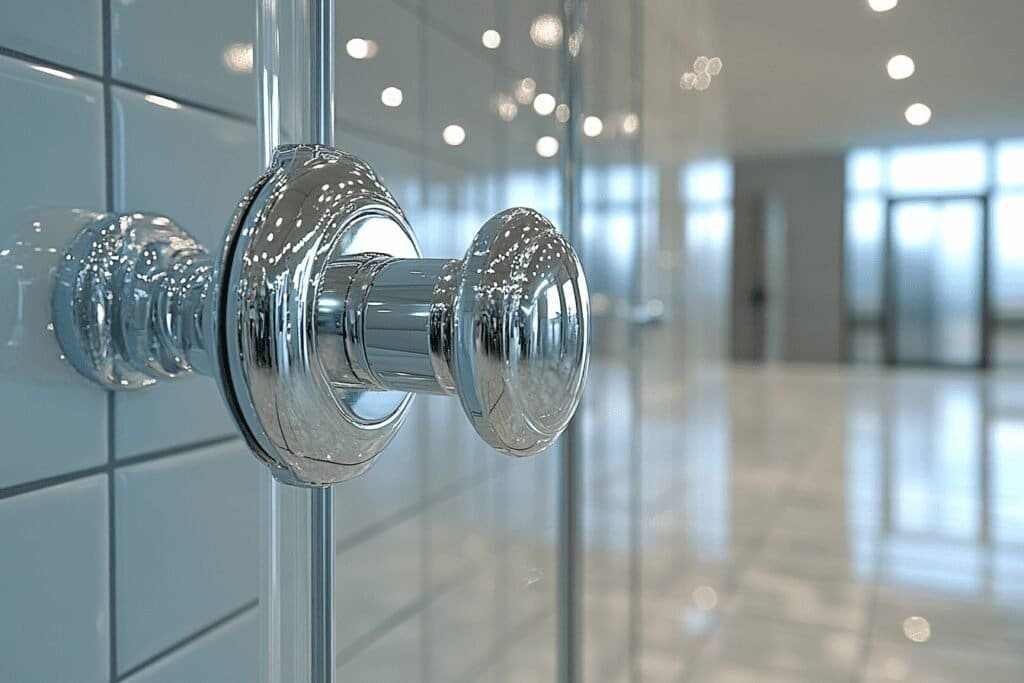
point(319, 318)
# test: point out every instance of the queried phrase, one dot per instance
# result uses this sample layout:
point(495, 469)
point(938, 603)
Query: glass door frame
point(888, 316)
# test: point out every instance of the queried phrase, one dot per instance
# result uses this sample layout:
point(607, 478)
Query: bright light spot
point(700, 65)
point(918, 114)
point(454, 134)
point(544, 104)
point(361, 48)
point(491, 39)
point(562, 113)
point(900, 67)
point(547, 146)
point(505, 106)
point(630, 123)
point(237, 57)
point(715, 66)
point(592, 126)
point(162, 102)
point(391, 96)
point(525, 88)
point(917, 629)
point(687, 80)
point(702, 81)
point(53, 72)
point(546, 31)
point(882, 5)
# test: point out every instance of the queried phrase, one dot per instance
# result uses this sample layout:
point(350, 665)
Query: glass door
point(935, 272)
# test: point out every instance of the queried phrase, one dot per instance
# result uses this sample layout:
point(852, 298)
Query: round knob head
point(521, 332)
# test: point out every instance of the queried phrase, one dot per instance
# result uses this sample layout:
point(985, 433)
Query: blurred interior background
point(800, 457)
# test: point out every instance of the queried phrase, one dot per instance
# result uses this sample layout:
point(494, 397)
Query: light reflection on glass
point(453, 134)
point(546, 31)
point(491, 39)
point(544, 104)
point(164, 102)
point(237, 57)
point(361, 48)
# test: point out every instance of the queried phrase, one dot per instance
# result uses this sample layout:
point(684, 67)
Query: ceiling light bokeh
point(453, 134)
point(391, 96)
point(547, 146)
point(900, 67)
point(491, 39)
point(546, 31)
point(882, 5)
point(592, 126)
point(361, 48)
point(918, 114)
point(544, 103)
point(525, 89)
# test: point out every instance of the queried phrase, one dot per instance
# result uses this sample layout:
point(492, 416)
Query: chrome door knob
point(320, 320)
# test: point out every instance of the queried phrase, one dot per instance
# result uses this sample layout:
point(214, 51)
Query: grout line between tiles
point(441, 495)
point(188, 640)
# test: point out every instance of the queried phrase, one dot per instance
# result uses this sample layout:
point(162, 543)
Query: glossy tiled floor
point(825, 524)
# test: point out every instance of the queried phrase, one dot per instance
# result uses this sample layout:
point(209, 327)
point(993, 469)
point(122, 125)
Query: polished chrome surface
point(129, 301)
point(314, 206)
point(320, 321)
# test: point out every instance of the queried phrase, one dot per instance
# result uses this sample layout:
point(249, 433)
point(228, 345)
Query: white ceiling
point(809, 75)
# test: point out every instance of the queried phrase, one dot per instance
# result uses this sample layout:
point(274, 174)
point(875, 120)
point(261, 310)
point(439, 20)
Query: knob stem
point(385, 322)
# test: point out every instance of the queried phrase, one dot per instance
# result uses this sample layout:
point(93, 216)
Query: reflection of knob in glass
point(320, 320)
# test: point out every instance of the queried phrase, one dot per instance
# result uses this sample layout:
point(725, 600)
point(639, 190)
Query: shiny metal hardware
point(319, 319)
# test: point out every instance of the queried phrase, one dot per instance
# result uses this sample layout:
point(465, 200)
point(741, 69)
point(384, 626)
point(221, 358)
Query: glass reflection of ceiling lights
point(562, 113)
point(900, 67)
point(50, 71)
point(164, 102)
point(237, 57)
point(546, 31)
point(525, 90)
point(592, 126)
point(504, 106)
point(453, 134)
point(547, 146)
point(882, 5)
point(704, 69)
point(544, 103)
point(918, 114)
point(491, 39)
point(361, 48)
point(391, 96)
point(630, 124)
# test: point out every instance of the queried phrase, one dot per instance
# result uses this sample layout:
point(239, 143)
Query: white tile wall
point(185, 49)
point(67, 32)
point(422, 537)
point(64, 111)
point(187, 546)
point(53, 596)
point(193, 166)
point(226, 654)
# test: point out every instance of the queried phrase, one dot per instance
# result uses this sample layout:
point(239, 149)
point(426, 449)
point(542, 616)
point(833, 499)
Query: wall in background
point(802, 200)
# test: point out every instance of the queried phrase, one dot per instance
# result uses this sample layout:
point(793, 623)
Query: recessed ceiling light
point(546, 31)
point(882, 5)
point(544, 103)
point(592, 126)
point(630, 123)
point(491, 39)
point(918, 114)
point(453, 134)
point(525, 88)
point(900, 67)
point(547, 146)
point(391, 96)
point(361, 48)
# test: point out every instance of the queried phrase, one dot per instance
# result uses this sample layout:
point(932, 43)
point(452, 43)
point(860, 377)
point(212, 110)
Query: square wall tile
point(228, 654)
point(63, 31)
point(54, 594)
point(192, 166)
point(56, 111)
point(376, 579)
point(189, 49)
point(187, 535)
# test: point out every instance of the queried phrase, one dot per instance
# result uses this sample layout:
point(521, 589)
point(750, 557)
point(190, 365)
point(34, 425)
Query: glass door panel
point(936, 270)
